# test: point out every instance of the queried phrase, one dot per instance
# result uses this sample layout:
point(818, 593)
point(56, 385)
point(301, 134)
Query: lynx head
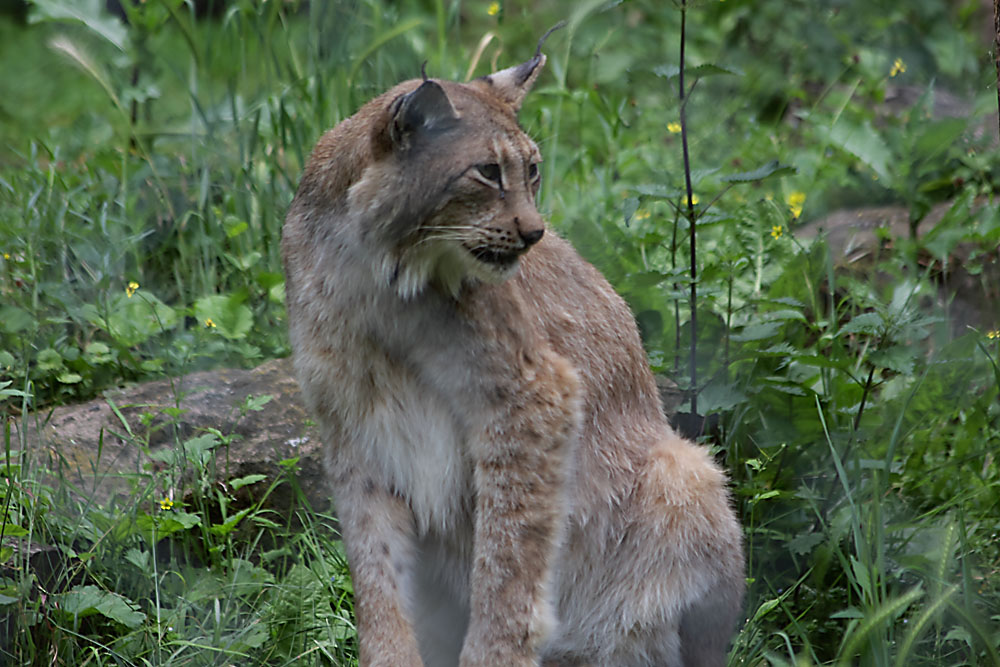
point(450, 195)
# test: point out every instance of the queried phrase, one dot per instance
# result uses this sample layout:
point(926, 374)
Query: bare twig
point(676, 288)
point(996, 52)
point(864, 397)
point(691, 219)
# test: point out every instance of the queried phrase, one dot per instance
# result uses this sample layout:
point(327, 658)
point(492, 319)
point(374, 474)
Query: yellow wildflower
point(993, 335)
point(673, 127)
point(493, 9)
point(209, 323)
point(131, 288)
point(642, 214)
point(166, 504)
point(777, 231)
point(898, 67)
point(694, 199)
point(6, 255)
point(795, 200)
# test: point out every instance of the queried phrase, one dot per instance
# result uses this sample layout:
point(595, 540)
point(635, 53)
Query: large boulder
point(104, 446)
point(968, 281)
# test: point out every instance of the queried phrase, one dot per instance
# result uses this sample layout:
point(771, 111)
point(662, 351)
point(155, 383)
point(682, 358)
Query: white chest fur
point(415, 446)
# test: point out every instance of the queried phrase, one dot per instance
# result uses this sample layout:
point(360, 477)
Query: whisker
point(449, 235)
point(448, 228)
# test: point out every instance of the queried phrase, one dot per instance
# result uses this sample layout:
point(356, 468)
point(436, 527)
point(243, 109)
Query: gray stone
point(104, 446)
point(859, 239)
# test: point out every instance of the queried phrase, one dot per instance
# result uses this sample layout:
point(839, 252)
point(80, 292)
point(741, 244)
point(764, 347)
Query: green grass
point(860, 431)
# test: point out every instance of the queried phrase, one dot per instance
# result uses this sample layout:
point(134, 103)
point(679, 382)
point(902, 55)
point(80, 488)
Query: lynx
point(508, 489)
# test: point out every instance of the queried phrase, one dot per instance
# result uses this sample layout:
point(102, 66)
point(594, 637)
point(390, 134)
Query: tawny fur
point(508, 488)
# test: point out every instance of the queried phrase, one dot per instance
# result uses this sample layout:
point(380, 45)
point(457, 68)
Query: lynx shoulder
point(508, 489)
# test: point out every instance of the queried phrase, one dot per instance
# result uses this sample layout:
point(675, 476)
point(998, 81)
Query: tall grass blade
point(378, 43)
point(929, 613)
point(872, 622)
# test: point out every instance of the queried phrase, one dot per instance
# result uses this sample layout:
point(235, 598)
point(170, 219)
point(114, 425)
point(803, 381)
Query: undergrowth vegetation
point(145, 171)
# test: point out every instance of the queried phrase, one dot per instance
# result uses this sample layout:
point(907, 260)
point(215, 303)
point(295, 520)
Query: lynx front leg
point(377, 527)
point(519, 480)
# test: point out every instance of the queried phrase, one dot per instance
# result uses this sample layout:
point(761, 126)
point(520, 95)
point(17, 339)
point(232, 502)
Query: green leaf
point(788, 301)
point(165, 523)
point(196, 450)
point(629, 208)
point(234, 226)
point(7, 360)
point(276, 294)
point(90, 13)
point(133, 320)
point(870, 324)
point(765, 608)
point(937, 137)
point(138, 558)
point(772, 168)
point(861, 574)
point(7, 393)
point(98, 353)
point(225, 314)
point(718, 396)
point(185, 519)
point(658, 191)
point(850, 612)
point(786, 314)
point(244, 262)
point(69, 378)
point(91, 600)
point(898, 358)
point(953, 227)
point(819, 361)
point(256, 403)
point(199, 448)
point(804, 543)
point(239, 483)
point(779, 350)
point(784, 386)
point(959, 634)
point(757, 331)
point(651, 279)
point(863, 142)
point(229, 525)
point(270, 279)
point(49, 360)
point(11, 530)
point(14, 319)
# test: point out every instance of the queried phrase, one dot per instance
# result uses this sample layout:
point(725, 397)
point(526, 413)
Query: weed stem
point(691, 219)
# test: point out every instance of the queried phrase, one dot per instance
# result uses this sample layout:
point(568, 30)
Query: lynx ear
point(512, 84)
point(426, 110)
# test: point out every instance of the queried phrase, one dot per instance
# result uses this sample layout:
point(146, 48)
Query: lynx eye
point(490, 172)
point(533, 171)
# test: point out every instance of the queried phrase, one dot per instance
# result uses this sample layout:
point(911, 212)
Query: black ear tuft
point(512, 84)
point(426, 110)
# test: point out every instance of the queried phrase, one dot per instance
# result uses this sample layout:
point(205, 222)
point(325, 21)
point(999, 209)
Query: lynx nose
point(531, 236)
